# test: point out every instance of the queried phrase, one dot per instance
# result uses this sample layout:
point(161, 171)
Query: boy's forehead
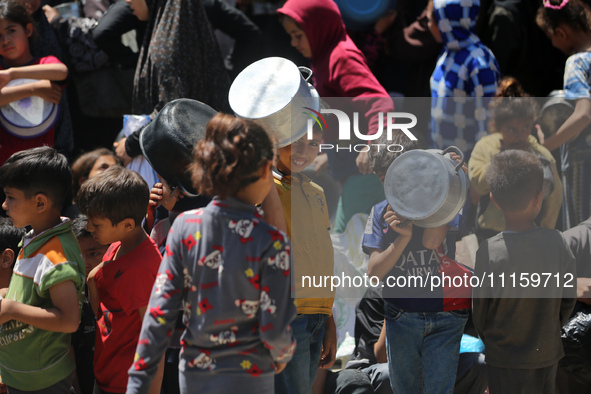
point(99, 219)
point(89, 244)
point(13, 191)
point(316, 136)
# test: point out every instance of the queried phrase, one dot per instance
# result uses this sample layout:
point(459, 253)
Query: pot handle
point(458, 152)
point(305, 70)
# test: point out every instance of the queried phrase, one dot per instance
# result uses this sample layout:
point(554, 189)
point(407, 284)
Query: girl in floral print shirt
point(230, 272)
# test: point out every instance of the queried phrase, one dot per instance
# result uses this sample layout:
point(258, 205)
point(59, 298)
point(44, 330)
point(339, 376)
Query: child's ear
point(42, 202)
point(538, 199)
point(7, 258)
point(128, 224)
point(29, 30)
point(560, 32)
point(492, 198)
point(266, 170)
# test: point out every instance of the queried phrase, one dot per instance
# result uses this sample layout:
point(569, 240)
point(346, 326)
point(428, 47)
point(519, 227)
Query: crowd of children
point(190, 284)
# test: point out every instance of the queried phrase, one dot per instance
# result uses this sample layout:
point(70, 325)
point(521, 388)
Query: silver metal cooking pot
point(427, 187)
point(273, 93)
point(554, 112)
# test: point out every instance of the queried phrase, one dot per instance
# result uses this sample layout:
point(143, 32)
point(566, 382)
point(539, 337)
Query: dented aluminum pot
point(273, 93)
point(427, 187)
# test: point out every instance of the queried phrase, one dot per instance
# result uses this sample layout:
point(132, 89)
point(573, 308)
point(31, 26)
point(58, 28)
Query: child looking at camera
point(308, 226)
point(513, 115)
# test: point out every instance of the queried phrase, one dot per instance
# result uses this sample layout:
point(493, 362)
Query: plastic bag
point(576, 340)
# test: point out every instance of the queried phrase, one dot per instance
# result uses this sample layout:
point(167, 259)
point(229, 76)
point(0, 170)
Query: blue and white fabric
point(466, 68)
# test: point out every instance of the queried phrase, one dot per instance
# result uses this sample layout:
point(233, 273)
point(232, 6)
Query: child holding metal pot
point(513, 116)
point(17, 33)
point(566, 23)
point(340, 70)
point(308, 226)
point(423, 327)
point(528, 286)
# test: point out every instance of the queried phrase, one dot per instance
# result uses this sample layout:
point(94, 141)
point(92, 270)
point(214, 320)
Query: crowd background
point(127, 59)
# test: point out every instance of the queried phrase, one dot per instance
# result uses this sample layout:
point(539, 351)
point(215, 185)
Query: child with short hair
point(10, 237)
point(423, 328)
point(228, 269)
point(43, 302)
point(83, 339)
point(519, 328)
point(115, 203)
point(308, 226)
point(513, 116)
point(340, 69)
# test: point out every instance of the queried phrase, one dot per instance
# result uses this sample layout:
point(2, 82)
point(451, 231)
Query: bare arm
point(157, 382)
point(274, 214)
point(584, 290)
point(382, 261)
point(329, 344)
point(379, 348)
point(45, 89)
point(93, 295)
point(49, 71)
point(63, 317)
point(571, 128)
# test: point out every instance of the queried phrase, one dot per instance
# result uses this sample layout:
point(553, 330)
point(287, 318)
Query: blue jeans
point(300, 372)
point(423, 349)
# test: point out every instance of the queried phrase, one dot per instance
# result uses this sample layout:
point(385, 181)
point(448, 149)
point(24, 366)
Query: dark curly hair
point(573, 14)
point(511, 102)
point(514, 178)
point(230, 156)
point(383, 151)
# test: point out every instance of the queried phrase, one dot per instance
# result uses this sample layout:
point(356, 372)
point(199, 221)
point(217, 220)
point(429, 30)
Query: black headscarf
point(179, 58)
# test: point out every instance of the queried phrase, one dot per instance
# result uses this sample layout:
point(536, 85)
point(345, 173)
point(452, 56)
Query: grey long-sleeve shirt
point(230, 272)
